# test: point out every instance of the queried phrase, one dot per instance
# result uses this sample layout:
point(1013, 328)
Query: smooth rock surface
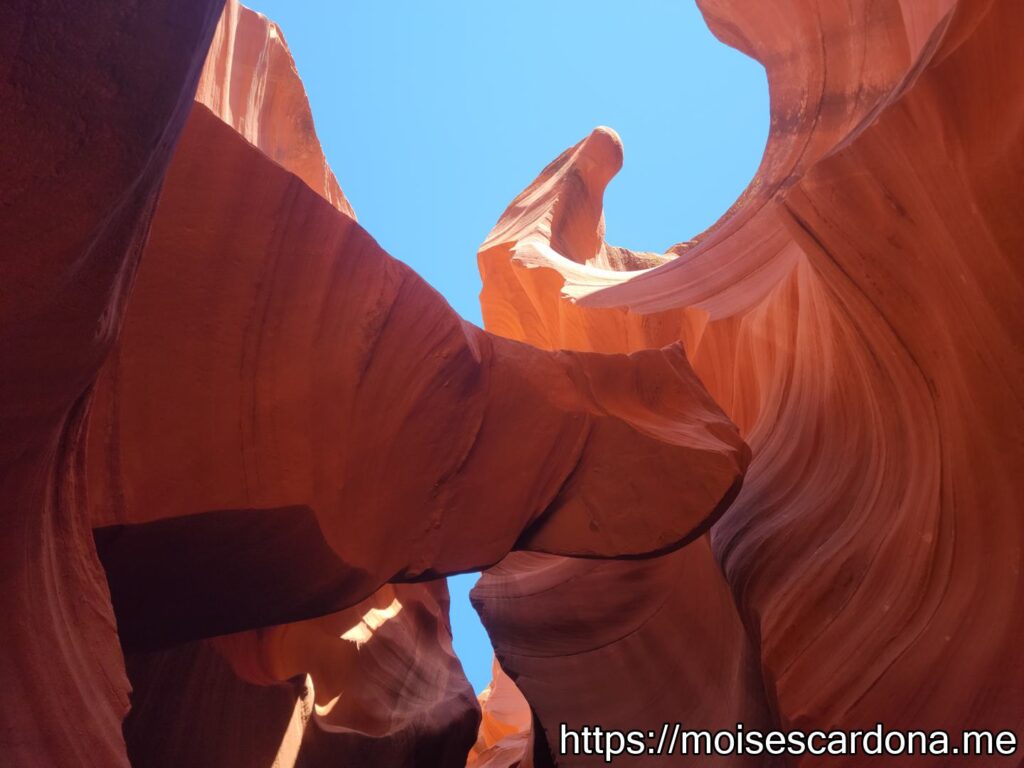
point(312, 364)
point(92, 99)
point(240, 444)
point(266, 420)
point(250, 82)
point(857, 314)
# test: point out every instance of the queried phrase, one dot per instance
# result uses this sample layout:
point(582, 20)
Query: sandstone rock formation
point(289, 420)
point(341, 377)
point(250, 82)
point(376, 684)
point(240, 444)
point(93, 98)
point(506, 726)
point(857, 314)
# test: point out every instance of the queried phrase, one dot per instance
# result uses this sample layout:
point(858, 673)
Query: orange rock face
point(240, 444)
point(250, 82)
point(857, 314)
point(346, 380)
point(271, 426)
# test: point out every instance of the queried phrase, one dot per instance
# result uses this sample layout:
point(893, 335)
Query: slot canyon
point(772, 476)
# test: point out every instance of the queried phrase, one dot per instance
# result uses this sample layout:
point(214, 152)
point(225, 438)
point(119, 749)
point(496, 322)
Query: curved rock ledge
point(267, 419)
point(240, 444)
point(855, 313)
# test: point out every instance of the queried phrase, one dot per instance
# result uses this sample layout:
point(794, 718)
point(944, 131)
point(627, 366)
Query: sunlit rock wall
point(857, 313)
point(275, 437)
point(771, 476)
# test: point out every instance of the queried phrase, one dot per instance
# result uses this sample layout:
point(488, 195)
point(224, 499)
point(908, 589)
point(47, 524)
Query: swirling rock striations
point(250, 82)
point(93, 99)
point(354, 366)
point(505, 735)
point(218, 506)
point(271, 425)
point(624, 645)
point(857, 314)
point(376, 684)
point(240, 444)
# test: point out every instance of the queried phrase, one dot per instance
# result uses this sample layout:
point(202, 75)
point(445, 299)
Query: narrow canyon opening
point(423, 169)
point(758, 485)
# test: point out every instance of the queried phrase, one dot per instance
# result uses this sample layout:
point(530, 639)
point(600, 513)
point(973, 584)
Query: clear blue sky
point(434, 115)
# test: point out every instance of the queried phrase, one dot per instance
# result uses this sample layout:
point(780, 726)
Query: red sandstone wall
point(856, 314)
point(267, 419)
point(278, 431)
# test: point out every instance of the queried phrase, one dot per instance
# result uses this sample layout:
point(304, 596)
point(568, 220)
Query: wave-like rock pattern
point(857, 314)
point(250, 82)
point(224, 505)
point(233, 425)
point(505, 735)
point(623, 645)
point(312, 364)
point(376, 684)
point(289, 420)
point(92, 99)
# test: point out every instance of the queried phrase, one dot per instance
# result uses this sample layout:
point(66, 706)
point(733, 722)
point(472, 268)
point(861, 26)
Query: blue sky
point(434, 115)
